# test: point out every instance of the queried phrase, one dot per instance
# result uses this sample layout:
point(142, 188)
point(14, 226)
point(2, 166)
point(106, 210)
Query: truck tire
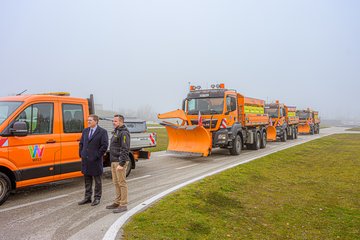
point(263, 140)
point(129, 167)
point(284, 136)
point(318, 131)
point(312, 130)
point(257, 142)
point(293, 132)
point(296, 133)
point(5, 187)
point(236, 145)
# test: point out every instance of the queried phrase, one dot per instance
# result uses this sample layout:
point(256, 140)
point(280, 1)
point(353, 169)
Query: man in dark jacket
point(92, 147)
point(119, 157)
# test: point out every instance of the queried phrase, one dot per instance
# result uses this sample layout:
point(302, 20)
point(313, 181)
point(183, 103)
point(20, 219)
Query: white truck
point(140, 139)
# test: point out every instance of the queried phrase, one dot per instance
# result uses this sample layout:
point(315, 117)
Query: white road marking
point(112, 232)
point(32, 203)
point(133, 179)
point(179, 168)
point(62, 196)
point(163, 155)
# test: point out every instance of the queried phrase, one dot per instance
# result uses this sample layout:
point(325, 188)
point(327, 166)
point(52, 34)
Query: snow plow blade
point(271, 133)
point(189, 139)
point(304, 128)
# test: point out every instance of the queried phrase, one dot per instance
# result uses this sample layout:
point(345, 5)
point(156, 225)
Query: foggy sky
point(135, 53)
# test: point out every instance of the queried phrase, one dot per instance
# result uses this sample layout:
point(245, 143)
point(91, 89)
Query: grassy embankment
point(353, 129)
point(311, 191)
point(162, 139)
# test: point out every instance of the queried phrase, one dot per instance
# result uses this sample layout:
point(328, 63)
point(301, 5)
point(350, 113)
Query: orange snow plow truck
point(283, 122)
point(309, 121)
point(216, 117)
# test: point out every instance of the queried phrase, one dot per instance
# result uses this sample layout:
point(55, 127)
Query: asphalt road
point(50, 211)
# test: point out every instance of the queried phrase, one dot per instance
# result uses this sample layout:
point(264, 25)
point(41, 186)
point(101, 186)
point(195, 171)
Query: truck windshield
point(205, 106)
point(273, 112)
point(303, 115)
point(7, 108)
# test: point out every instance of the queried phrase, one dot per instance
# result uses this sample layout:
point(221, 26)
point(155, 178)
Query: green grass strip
point(162, 139)
point(311, 191)
point(353, 129)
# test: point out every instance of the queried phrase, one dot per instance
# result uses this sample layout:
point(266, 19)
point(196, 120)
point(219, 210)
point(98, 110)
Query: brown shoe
point(112, 206)
point(120, 209)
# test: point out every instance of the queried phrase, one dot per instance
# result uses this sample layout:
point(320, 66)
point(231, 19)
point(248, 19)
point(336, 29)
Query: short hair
point(95, 117)
point(120, 117)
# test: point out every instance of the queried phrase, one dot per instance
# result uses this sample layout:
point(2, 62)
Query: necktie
point(91, 133)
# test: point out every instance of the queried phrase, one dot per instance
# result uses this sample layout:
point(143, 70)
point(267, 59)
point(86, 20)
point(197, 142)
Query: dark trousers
point(88, 186)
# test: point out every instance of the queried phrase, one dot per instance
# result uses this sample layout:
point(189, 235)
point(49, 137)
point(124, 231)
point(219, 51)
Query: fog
point(143, 54)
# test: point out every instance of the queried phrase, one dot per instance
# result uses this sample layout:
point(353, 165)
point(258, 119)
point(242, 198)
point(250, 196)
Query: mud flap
point(271, 133)
point(189, 139)
point(304, 128)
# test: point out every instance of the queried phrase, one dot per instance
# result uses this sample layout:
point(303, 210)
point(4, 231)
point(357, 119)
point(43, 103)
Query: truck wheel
point(293, 133)
point(312, 131)
point(296, 133)
point(236, 146)
point(5, 187)
point(284, 136)
point(128, 168)
point(257, 142)
point(318, 130)
point(263, 140)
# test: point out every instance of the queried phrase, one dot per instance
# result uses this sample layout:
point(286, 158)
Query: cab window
point(73, 118)
point(38, 118)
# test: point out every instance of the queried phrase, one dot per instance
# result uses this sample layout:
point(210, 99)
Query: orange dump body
point(251, 111)
point(291, 117)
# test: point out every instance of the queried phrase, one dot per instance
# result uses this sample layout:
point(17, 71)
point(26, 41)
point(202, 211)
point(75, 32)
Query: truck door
point(35, 154)
point(231, 109)
point(72, 119)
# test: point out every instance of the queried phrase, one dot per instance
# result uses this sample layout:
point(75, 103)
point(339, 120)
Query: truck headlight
point(222, 136)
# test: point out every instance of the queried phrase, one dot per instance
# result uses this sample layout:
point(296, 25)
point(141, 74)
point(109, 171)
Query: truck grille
point(206, 123)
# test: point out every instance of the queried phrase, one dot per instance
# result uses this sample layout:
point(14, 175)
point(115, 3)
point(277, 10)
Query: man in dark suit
point(93, 145)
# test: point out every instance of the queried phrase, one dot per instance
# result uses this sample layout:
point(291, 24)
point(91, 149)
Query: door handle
point(51, 141)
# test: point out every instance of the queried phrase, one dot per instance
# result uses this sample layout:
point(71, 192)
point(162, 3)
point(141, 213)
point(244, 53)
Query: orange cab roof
point(23, 98)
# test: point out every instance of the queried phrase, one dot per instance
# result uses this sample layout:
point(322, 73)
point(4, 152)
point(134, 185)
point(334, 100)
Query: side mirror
point(19, 129)
point(184, 105)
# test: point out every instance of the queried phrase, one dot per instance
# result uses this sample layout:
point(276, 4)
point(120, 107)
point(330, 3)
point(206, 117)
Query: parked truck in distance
point(216, 117)
point(309, 121)
point(39, 139)
point(283, 123)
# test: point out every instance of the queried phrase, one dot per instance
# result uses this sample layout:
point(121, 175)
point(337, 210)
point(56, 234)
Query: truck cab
point(39, 136)
point(39, 139)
